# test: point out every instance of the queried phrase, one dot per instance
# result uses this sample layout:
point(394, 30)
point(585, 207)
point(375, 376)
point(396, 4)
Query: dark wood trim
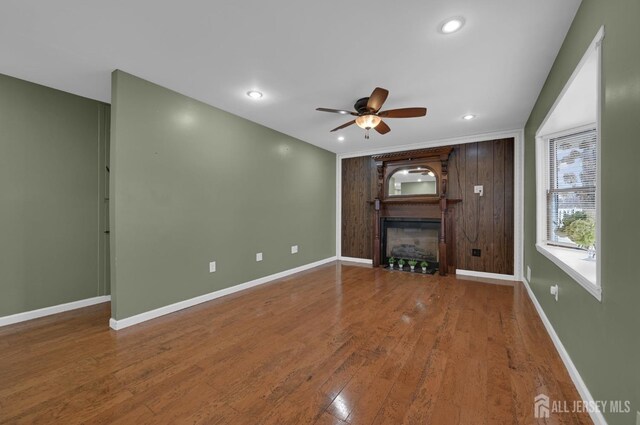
point(376, 232)
point(440, 152)
point(415, 201)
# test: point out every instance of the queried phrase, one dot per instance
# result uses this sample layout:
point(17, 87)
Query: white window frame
point(570, 260)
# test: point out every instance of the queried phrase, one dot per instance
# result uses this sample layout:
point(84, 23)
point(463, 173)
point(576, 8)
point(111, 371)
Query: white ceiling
point(302, 55)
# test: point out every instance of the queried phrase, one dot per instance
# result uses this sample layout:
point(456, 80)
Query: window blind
point(572, 181)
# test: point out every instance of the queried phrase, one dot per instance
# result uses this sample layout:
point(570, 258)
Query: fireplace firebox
point(411, 239)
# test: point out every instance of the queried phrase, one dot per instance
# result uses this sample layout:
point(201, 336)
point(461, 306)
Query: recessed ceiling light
point(405, 172)
point(420, 180)
point(431, 174)
point(468, 117)
point(254, 94)
point(452, 25)
point(340, 138)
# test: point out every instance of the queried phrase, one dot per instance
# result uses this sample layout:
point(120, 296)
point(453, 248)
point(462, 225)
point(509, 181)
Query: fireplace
point(410, 238)
point(409, 225)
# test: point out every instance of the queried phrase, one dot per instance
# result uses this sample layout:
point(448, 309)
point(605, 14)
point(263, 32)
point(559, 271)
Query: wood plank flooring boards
point(339, 344)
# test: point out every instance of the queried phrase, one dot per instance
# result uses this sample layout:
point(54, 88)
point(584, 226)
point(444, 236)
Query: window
point(571, 195)
point(567, 175)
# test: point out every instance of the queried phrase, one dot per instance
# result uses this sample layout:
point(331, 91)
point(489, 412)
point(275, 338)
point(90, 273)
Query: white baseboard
point(48, 311)
point(356, 260)
point(171, 308)
point(596, 417)
point(485, 275)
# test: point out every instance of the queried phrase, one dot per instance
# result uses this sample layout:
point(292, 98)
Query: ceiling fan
point(423, 172)
point(369, 116)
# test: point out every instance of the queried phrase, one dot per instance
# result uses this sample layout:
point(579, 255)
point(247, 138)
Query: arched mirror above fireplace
point(413, 181)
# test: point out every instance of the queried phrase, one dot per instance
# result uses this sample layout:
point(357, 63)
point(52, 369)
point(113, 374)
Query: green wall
point(51, 196)
point(191, 184)
point(418, 188)
point(602, 338)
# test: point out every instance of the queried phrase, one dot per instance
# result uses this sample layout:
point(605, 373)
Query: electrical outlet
point(212, 267)
point(476, 252)
point(259, 256)
point(528, 274)
point(294, 249)
point(554, 291)
point(478, 189)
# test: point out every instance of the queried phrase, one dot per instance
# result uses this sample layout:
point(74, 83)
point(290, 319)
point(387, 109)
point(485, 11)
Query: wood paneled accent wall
point(358, 188)
point(484, 223)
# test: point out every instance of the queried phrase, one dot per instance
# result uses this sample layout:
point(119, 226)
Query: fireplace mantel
point(413, 202)
point(435, 206)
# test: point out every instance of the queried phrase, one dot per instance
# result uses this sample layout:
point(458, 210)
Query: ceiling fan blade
point(382, 128)
point(376, 99)
point(404, 113)
point(343, 126)
point(336, 111)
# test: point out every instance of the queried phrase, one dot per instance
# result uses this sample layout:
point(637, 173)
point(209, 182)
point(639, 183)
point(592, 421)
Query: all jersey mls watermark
point(545, 407)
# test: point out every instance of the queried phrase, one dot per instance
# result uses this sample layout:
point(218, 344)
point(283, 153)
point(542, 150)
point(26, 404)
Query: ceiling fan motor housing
point(361, 105)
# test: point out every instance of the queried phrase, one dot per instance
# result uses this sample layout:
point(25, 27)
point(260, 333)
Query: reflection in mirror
point(413, 181)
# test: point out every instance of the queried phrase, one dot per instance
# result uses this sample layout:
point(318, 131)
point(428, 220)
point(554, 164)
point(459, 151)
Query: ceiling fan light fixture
point(468, 117)
point(368, 122)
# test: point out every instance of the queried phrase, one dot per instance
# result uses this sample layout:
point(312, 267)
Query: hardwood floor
point(339, 344)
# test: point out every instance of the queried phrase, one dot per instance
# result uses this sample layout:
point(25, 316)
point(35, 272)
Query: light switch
point(478, 189)
point(212, 267)
point(554, 291)
point(294, 249)
point(259, 256)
